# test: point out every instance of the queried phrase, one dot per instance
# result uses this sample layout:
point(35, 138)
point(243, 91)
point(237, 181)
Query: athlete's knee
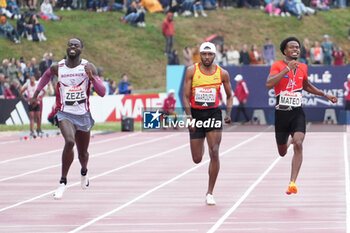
point(298, 144)
point(214, 151)
point(282, 151)
point(69, 143)
point(83, 154)
point(197, 159)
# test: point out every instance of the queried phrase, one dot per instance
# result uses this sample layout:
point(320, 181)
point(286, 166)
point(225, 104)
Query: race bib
point(74, 95)
point(205, 96)
point(290, 99)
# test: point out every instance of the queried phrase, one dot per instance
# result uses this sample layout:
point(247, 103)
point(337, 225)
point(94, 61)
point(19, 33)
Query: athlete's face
point(74, 48)
point(292, 50)
point(207, 58)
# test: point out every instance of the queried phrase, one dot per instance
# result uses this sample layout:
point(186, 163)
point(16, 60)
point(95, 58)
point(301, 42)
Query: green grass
point(121, 48)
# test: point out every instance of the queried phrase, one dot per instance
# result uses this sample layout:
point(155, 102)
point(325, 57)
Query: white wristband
point(288, 68)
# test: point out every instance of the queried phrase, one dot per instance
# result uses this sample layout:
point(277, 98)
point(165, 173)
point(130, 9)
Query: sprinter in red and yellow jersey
point(201, 99)
point(289, 78)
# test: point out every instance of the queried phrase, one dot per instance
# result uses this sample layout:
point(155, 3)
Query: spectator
point(36, 29)
point(3, 9)
point(305, 52)
point(338, 56)
point(2, 86)
point(316, 53)
point(291, 7)
point(321, 5)
point(304, 10)
point(241, 93)
point(232, 56)
point(13, 70)
point(15, 88)
point(254, 55)
point(196, 56)
point(112, 87)
point(169, 106)
point(47, 11)
point(244, 58)
point(173, 58)
point(22, 28)
point(272, 7)
point(268, 52)
point(187, 7)
point(187, 56)
point(124, 86)
point(44, 64)
point(4, 68)
point(347, 93)
point(14, 9)
point(168, 32)
point(219, 56)
point(8, 92)
point(198, 5)
point(7, 31)
point(327, 49)
point(65, 4)
point(134, 16)
point(103, 80)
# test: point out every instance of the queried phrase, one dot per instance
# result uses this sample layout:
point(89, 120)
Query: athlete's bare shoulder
point(190, 70)
point(225, 74)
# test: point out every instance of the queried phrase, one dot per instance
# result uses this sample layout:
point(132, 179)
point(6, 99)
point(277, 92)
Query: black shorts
point(347, 105)
point(287, 123)
point(35, 108)
point(211, 116)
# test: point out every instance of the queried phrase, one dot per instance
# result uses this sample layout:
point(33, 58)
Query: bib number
point(290, 99)
point(205, 96)
point(74, 95)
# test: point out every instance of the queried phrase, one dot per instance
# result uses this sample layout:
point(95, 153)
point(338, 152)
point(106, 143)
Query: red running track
point(147, 182)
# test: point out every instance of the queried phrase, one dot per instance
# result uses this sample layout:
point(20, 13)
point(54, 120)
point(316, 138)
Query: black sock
point(83, 173)
point(63, 181)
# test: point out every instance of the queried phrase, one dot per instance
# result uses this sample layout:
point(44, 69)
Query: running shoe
point(84, 181)
point(59, 192)
point(210, 199)
point(292, 188)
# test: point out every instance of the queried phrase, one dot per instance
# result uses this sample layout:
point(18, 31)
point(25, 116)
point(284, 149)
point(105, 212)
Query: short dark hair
point(286, 41)
point(81, 42)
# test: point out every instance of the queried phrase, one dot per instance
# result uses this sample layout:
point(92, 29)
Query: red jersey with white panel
point(289, 90)
point(73, 89)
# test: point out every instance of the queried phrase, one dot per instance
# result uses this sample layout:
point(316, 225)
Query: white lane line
point(97, 176)
point(93, 156)
point(246, 194)
point(242, 198)
point(347, 181)
point(158, 187)
point(57, 150)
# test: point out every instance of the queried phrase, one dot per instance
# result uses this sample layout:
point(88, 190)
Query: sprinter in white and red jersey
point(201, 100)
point(34, 108)
point(75, 75)
point(289, 78)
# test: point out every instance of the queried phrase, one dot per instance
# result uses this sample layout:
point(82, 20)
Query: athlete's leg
point(197, 149)
point(82, 140)
point(38, 120)
point(283, 148)
point(214, 140)
point(298, 139)
point(68, 133)
point(31, 116)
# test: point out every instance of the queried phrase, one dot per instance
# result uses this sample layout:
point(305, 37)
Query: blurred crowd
point(318, 52)
point(16, 74)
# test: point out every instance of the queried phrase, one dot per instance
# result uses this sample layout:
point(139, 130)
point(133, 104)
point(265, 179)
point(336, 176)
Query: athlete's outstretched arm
point(274, 79)
point(307, 86)
point(91, 72)
point(229, 97)
point(187, 89)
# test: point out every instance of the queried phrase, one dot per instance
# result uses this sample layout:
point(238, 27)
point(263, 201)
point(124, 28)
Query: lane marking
point(97, 176)
point(92, 156)
point(58, 150)
point(347, 181)
point(160, 186)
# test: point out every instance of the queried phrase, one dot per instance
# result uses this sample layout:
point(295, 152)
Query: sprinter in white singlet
point(75, 76)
